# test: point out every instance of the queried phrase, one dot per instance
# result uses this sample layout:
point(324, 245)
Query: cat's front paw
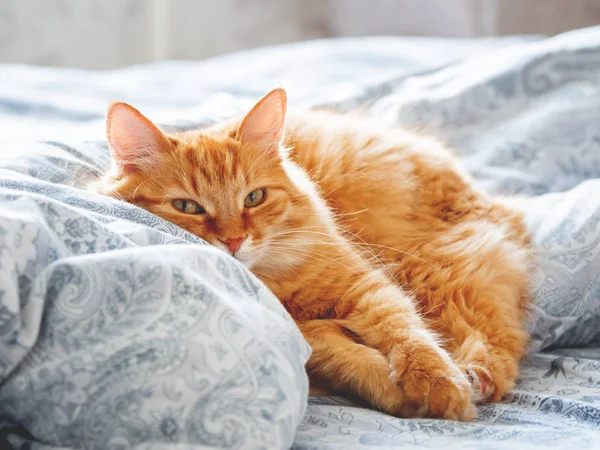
point(433, 385)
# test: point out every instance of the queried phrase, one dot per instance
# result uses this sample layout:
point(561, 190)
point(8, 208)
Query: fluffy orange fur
point(409, 283)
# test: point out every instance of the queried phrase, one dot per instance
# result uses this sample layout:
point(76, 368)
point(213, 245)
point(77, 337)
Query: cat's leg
point(471, 283)
point(488, 343)
point(385, 319)
point(338, 364)
point(478, 302)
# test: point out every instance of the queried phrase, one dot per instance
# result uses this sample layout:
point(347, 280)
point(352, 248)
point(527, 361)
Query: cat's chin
point(246, 260)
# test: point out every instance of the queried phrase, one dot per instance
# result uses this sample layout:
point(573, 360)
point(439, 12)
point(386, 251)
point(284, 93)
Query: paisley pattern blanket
point(118, 330)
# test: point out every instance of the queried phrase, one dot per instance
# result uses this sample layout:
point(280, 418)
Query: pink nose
point(233, 244)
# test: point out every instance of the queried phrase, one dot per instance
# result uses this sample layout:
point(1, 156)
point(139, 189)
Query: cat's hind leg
point(476, 299)
point(487, 339)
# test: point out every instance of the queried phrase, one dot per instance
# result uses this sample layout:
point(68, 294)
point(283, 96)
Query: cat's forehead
point(198, 148)
point(212, 160)
point(200, 140)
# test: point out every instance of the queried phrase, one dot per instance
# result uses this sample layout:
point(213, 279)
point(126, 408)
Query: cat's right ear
point(264, 124)
point(134, 141)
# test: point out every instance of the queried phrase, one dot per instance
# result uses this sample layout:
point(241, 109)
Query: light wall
point(105, 34)
point(113, 33)
point(461, 18)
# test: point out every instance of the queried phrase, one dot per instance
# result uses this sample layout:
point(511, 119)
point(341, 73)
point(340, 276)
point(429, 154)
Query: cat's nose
point(233, 244)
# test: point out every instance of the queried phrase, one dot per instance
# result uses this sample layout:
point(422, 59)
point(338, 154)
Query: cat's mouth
point(243, 254)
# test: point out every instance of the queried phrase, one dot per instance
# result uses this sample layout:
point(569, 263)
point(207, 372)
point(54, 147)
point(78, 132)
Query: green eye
point(255, 198)
point(188, 206)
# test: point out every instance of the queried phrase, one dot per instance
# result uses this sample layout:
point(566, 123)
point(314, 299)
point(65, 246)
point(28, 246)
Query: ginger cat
point(409, 283)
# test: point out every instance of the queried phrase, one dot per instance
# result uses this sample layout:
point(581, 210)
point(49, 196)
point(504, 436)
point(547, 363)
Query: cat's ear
point(134, 141)
point(264, 124)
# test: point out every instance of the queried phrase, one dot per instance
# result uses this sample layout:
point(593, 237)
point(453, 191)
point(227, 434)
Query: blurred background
point(103, 34)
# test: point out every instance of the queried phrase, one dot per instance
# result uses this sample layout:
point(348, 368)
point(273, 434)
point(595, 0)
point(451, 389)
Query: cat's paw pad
point(482, 385)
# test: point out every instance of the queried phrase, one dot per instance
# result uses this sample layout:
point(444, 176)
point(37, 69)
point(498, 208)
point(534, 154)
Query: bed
point(119, 330)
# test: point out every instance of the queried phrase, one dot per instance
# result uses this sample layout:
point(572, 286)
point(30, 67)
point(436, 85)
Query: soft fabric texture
point(113, 336)
point(522, 113)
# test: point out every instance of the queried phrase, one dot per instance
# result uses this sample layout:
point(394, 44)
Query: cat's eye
point(255, 198)
point(188, 206)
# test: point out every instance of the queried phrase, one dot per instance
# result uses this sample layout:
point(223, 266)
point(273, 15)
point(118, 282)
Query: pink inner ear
point(264, 124)
point(134, 140)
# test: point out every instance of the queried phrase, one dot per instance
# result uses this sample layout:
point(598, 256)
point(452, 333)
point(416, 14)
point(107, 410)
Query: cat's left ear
point(264, 124)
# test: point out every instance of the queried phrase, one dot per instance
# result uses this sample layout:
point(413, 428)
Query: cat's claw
point(482, 385)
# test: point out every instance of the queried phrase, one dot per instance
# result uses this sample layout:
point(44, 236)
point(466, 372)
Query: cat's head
point(231, 185)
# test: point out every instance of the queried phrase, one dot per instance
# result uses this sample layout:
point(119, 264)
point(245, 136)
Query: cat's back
point(358, 163)
point(399, 190)
point(347, 142)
